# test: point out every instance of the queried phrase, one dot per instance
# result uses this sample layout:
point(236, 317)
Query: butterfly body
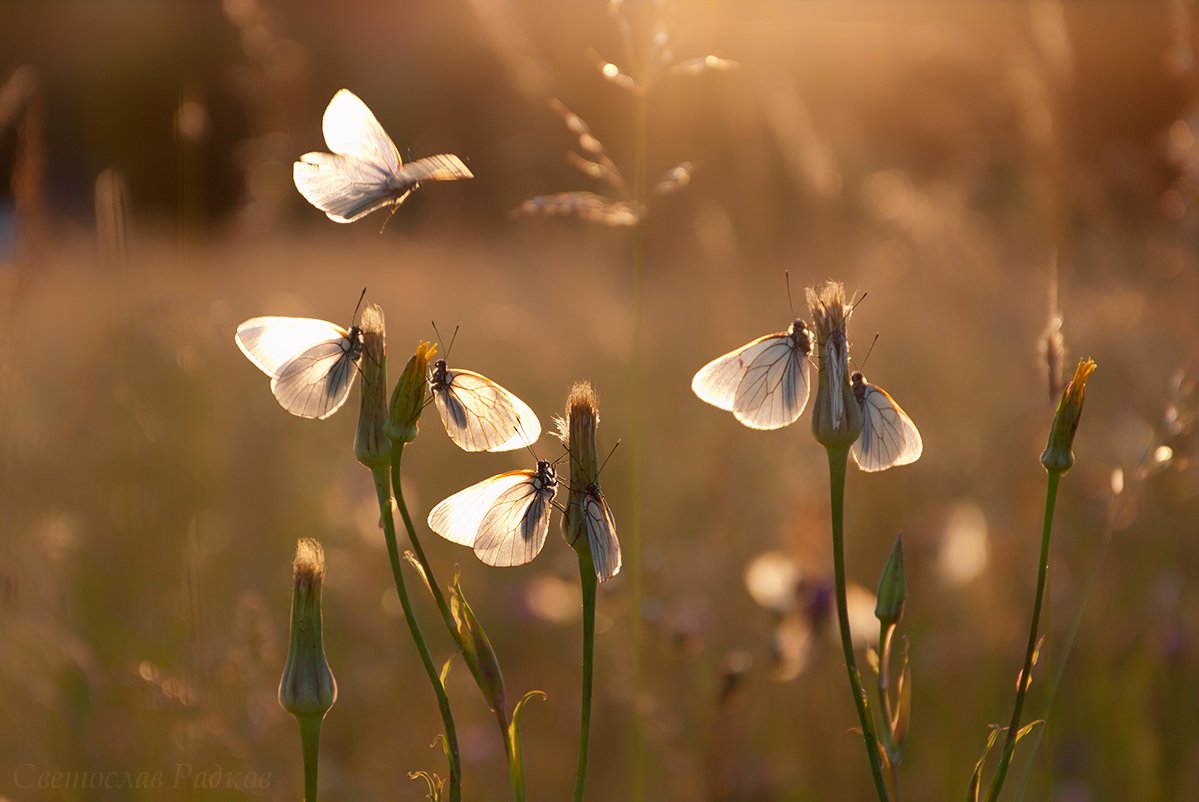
point(312, 363)
point(504, 518)
point(364, 172)
point(764, 383)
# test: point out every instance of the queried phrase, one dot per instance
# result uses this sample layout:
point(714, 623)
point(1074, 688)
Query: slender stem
point(310, 742)
point(885, 637)
point(383, 492)
point(515, 766)
point(1026, 673)
point(636, 576)
point(838, 456)
point(588, 582)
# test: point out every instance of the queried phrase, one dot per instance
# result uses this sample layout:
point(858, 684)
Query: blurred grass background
point(943, 158)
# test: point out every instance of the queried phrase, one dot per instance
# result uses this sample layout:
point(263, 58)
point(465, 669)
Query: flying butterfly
point(478, 414)
point(763, 383)
point(504, 518)
point(364, 172)
point(601, 533)
point(889, 437)
point(312, 363)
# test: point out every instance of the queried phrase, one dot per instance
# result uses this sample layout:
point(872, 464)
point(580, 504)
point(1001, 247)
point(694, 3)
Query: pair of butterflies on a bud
point(312, 365)
point(765, 385)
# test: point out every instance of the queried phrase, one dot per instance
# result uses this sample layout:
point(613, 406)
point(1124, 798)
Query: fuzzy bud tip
point(307, 689)
point(371, 445)
point(836, 417)
point(410, 394)
point(1058, 455)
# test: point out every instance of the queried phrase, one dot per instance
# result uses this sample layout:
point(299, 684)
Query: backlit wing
point(272, 342)
point(763, 383)
point(480, 415)
point(513, 531)
point(343, 187)
point(317, 382)
point(352, 130)
point(601, 533)
point(442, 167)
point(458, 517)
point(889, 437)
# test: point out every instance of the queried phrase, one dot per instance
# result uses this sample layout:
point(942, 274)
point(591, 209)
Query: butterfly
point(364, 172)
point(478, 414)
point(889, 437)
point(504, 518)
point(312, 363)
point(601, 533)
point(764, 383)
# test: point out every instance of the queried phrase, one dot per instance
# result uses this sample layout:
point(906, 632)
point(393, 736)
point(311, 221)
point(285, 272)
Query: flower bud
point(477, 650)
point(582, 419)
point(307, 689)
point(836, 416)
point(891, 591)
point(1057, 456)
point(371, 445)
point(410, 394)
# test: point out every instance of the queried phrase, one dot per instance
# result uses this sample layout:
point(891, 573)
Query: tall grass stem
point(589, 583)
point(310, 743)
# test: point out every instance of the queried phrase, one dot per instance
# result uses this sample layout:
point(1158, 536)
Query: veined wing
point(458, 517)
point(441, 167)
point(352, 130)
point(480, 415)
point(343, 187)
point(317, 382)
point(272, 342)
point(513, 531)
point(601, 534)
point(889, 437)
point(763, 383)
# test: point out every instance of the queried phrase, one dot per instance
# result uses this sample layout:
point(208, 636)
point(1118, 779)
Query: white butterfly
point(889, 437)
point(601, 533)
point(764, 383)
point(312, 363)
point(364, 172)
point(478, 414)
point(504, 519)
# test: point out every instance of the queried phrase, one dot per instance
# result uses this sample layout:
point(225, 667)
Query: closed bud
point(836, 416)
point(410, 394)
point(477, 650)
point(582, 419)
point(891, 590)
point(307, 689)
point(371, 445)
point(1058, 456)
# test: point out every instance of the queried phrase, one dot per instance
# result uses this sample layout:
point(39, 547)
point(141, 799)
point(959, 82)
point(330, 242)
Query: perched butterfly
point(601, 533)
point(364, 172)
point(504, 518)
point(312, 363)
point(478, 414)
point(889, 437)
point(763, 383)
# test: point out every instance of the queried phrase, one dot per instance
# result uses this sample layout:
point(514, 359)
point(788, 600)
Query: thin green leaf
point(976, 779)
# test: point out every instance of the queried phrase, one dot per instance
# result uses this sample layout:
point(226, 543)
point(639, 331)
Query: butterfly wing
point(601, 534)
point(763, 383)
point(480, 415)
point(513, 530)
point(352, 130)
point(343, 187)
point(442, 167)
point(889, 437)
point(310, 362)
point(458, 517)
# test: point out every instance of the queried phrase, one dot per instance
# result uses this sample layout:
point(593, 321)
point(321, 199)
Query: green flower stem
point(838, 457)
point(516, 770)
point(383, 491)
point(588, 581)
point(885, 636)
point(310, 742)
point(1026, 673)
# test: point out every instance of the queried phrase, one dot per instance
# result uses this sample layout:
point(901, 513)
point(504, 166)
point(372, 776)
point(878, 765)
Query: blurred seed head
point(307, 689)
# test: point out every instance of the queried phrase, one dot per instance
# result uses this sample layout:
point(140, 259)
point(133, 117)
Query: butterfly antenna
point(869, 351)
point(605, 462)
point(790, 303)
point(854, 305)
point(358, 306)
